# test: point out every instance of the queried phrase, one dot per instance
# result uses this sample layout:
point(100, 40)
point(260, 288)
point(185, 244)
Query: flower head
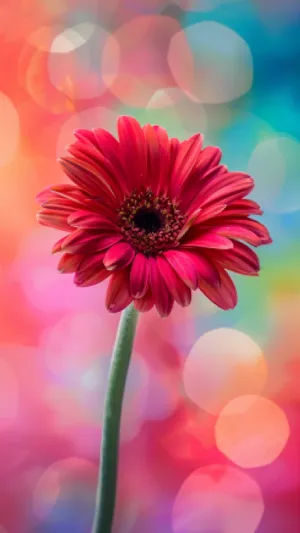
point(159, 217)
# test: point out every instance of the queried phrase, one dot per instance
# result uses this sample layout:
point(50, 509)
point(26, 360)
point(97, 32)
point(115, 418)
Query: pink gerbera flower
point(159, 217)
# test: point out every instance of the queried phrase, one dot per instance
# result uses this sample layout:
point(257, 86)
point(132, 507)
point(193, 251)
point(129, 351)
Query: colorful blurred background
point(211, 421)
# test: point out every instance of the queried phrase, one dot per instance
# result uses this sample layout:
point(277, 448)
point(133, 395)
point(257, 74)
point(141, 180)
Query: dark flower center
point(150, 223)
point(149, 220)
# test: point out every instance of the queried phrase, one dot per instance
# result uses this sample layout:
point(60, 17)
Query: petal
point(209, 239)
point(153, 157)
point(87, 155)
point(187, 157)
point(194, 190)
point(139, 276)
point(83, 241)
point(84, 176)
point(189, 223)
point(224, 296)
point(87, 278)
point(55, 218)
point(118, 294)
point(145, 303)
point(241, 208)
point(164, 160)
point(209, 158)
point(133, 151)
point(239, 232)
point(181, 262)
point(57, 247)
point(205, 268)
point(69, 263)
point(110, 148)
point(180, 292)
point(162, 297)
point(209, 212)
point(174, 149)
point(222, 188)
point(240, 259)
point(85, 136)
point(238, 187)
point(92, 261)
point(96, 205)
point(118, 256)
point(61, 191)
point(248, 224)
point(87, 220)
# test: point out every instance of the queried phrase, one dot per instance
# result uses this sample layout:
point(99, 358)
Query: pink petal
point(83, 241)
point(89, 156)
point(187, 157)
point(69, 263)
point(85, 136)
point(221, 188)
point(139, 276)
point(181, 262)
point(240, 227)
point(97, 206)
point(84, 176)
point(197, 186)
point(174, 149)
point(240, 259)
point(209, 212)
point(118, 294)
point(259, 229)
point(180, 292)
point(240, 208)
point(153, 157)
point(206, 269)
point(61, 191)
point(133, 152)
point(210, 239)
point(58, 246)
point(239, 232)
point(91, 270)
point(145, 303)
point(118, 256)
point(87, 220)
point(209, 158)
point(87, 278)
point(164, 160)
point(224, 296)
point(92, 262)
point(162, 297)
point(55, 218)
point(110, 148)
point(189, 223)
point(231, 191)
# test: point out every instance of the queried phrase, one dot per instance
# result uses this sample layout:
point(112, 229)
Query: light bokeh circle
point(71, 479)
point(218, 498)
point(274, 164)
point(134, 58)
point(252, 431)
point(212, 62)
point(222, 364)
point(74, 61)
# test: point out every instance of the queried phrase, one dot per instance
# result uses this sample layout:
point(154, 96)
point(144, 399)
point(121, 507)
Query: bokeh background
point(211, 425)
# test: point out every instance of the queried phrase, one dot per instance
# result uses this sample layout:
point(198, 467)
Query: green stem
point(106, 491)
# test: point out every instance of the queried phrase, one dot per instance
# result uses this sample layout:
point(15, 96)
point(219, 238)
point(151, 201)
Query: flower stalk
point(107, 484)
